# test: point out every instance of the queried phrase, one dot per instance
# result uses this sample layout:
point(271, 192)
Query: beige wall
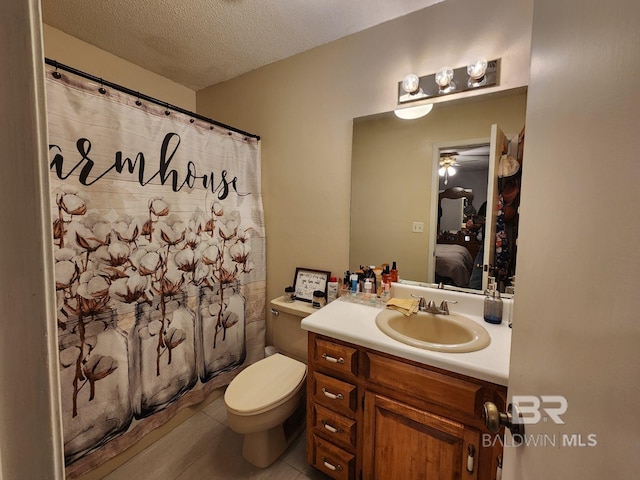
point(83, 56)
point(392, 166)
point(303, 108)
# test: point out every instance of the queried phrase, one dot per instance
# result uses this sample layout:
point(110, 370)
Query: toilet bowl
point(265, 403)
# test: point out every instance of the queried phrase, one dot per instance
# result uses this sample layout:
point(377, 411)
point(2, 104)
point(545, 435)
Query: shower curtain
point(159, 243)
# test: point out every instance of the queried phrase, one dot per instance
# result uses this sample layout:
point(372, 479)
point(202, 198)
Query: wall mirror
point(396, 185)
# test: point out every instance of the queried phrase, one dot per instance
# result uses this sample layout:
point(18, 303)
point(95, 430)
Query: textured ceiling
point(199, 43)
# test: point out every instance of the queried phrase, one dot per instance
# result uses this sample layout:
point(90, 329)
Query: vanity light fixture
point(478, 74)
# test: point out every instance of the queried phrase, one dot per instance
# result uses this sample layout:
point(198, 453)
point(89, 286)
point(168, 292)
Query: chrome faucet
point(431, 307)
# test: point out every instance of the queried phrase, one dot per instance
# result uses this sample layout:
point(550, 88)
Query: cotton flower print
point(216, 210)
point(84, 253)
point(105, 262)
point(221, 307)
point(157, 208)
point(69, 205)
point(127, 229)
point(163, 337)
point(241, 251)
point(131, 289)
point(185, 260)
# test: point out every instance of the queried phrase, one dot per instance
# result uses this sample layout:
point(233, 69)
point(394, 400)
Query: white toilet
point(265, 402)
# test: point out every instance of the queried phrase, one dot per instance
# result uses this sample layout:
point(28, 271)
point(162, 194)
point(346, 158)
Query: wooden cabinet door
point(404, 442)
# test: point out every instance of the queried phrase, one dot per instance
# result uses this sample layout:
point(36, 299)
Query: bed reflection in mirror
point(460, 231)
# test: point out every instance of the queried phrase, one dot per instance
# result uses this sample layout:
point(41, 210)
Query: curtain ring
point(56, 74)
point(138, 102)
point(102, 90)
point(167, 112)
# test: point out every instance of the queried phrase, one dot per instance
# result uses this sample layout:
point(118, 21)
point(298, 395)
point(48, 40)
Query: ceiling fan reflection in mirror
point(474, 157)
point(447, 164)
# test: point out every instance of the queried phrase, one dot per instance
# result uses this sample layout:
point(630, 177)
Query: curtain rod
point(120, 88)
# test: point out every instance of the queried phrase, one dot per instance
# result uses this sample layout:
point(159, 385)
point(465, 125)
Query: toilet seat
point(264, 385)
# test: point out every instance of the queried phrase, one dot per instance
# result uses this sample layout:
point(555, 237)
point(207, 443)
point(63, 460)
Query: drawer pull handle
point(332, 396)
point(471, 453)
point(332, 359)
point(331, 428)
point(330, 466)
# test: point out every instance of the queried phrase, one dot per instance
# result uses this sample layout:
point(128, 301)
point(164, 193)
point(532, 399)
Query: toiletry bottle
point(386, 292)
point(386, 274)
point(332, 289)
point(394, 272)
point(354, 282)
point(346, 283)
point(368, 287)
point(492, 303)
point(377, 272)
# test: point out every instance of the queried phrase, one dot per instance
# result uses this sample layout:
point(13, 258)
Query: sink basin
point(441, 333)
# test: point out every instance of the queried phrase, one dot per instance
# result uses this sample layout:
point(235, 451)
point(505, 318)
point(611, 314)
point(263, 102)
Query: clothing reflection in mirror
point(476, 225)
point(509, 177)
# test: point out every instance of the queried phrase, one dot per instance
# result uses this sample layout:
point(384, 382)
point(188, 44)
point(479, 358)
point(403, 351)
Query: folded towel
point(406, 306)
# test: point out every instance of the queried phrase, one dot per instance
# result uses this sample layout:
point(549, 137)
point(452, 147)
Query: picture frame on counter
point(307, 280)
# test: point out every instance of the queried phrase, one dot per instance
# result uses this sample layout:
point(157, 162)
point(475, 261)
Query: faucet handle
point(422, 304)
point(444, 306)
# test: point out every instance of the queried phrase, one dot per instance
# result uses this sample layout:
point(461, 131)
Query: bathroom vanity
point(380, 409)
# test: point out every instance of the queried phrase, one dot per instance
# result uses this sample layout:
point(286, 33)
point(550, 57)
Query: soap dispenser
point(492, 303)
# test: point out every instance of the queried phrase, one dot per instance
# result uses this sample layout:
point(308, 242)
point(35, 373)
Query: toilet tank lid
point(265, 383)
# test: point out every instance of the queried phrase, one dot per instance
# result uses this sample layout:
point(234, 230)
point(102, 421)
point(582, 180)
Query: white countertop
point(355, 323)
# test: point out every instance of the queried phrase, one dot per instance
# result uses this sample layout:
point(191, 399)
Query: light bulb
point(411, 83)
point(452, 171)
point(477, 69)
point(444, 77)
point(441, 171)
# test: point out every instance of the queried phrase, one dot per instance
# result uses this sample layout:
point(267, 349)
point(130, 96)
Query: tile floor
point(204, 448)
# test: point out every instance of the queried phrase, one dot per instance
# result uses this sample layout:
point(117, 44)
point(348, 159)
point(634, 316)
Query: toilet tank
point(288, 337)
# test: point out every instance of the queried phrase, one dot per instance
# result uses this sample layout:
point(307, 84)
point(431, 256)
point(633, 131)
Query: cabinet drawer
point(332, 460)
point(333, 426)
point(335, 357)
point(422, 383)
point(335, 394)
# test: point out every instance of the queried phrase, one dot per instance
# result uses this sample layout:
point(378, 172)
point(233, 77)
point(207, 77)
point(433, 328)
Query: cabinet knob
point(494, 419)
